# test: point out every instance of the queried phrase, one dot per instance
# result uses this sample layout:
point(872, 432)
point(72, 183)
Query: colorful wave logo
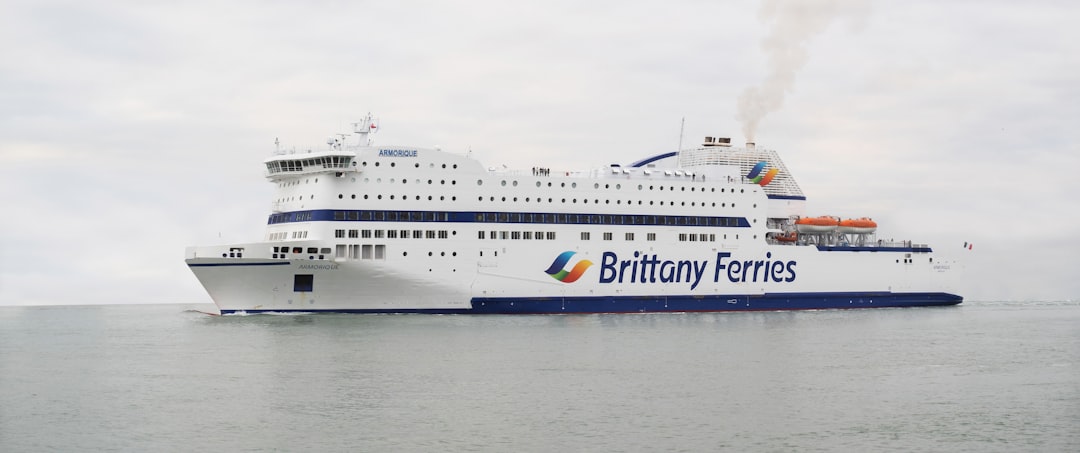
point(760, 179)
point(558, 268)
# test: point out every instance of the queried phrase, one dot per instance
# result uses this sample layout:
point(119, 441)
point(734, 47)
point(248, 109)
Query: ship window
point(584, 235)
point(325, 250)
point(303, 283)
point(480, 234)
point(339, 233)
point(551, 235)
point(528, 235)
point(650, 236)
point(607, 236)
point(430, 234)
point(380, 252)
point(539, 235)
point(378, 234)
point(313, 250)
point(515, 235)
point(366, 252)
point(629, 236)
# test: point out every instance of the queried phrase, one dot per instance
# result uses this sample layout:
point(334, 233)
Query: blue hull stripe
point(270, 263)
point(661, 304)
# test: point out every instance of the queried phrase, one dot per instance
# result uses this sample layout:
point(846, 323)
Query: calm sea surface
point(978, 377)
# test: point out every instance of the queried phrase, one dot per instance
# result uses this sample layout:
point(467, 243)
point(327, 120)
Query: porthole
point(431, 165)
point(537, 183)
point(618, 186)
point(574, 200)
point(480, 198)
point(365, 196)
point(443, 165)
point(376, 164)
point(442, 181)
point(404, 253)
point(418, 165)
point(429, 181)
point(503, 183)
point(515, 183)
point(455, 166)
point(453, 198)
point(418, 198)
point(430, 253)
point(596, 186)
point(393, 164)
point(442, 253)
point(391, 197)
point(380, 197)
point(479, 182)
point(492, 198)
point(503, 198)
point(365, 163)
point(639, 187)
point(353, 196)
point(429, 197)
point(562, 184)
point(340, 196)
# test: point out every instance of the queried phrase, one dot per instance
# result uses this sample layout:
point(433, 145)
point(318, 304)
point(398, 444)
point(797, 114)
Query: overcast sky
point(129, 130)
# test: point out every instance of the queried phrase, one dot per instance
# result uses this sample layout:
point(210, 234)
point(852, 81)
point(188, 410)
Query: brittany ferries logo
point(558, 268)
point(760, 179)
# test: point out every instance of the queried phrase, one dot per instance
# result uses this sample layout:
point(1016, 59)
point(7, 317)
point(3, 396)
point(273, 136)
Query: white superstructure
point(370, 228)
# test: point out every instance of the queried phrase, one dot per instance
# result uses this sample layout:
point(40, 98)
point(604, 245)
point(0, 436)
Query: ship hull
point(666, 304)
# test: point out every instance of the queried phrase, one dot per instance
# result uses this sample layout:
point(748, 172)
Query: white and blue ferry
point(401, 229)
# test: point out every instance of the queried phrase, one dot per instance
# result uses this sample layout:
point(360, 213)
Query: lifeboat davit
point(823, 224)
point(857, 226)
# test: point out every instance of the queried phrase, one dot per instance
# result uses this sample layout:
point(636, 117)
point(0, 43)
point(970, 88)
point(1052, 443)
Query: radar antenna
point(369, 125)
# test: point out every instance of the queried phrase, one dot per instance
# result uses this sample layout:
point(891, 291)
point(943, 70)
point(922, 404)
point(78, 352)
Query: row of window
point(326, 162)
point(573, 185)
point(527, 235)
point(283, 235)
point(395, 234)
point(506, 217)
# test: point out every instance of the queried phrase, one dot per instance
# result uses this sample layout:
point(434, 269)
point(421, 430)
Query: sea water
point(976, 377)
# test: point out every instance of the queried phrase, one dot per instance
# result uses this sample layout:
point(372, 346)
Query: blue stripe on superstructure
point(787, 197)
point(673, 304)
point(550, 218)
point(649, 160)
point(872, 248)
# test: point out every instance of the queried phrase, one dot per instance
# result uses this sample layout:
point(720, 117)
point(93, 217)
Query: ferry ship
point(357, 227)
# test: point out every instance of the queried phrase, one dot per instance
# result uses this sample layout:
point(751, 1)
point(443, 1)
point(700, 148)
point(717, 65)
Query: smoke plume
point(792, 23)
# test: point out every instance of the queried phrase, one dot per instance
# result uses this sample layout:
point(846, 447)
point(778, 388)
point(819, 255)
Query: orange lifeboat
point(823, 224)
point(857, 226)
point(787, 237)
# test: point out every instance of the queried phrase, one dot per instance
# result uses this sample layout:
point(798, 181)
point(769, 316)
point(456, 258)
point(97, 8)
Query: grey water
point(992, 376)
